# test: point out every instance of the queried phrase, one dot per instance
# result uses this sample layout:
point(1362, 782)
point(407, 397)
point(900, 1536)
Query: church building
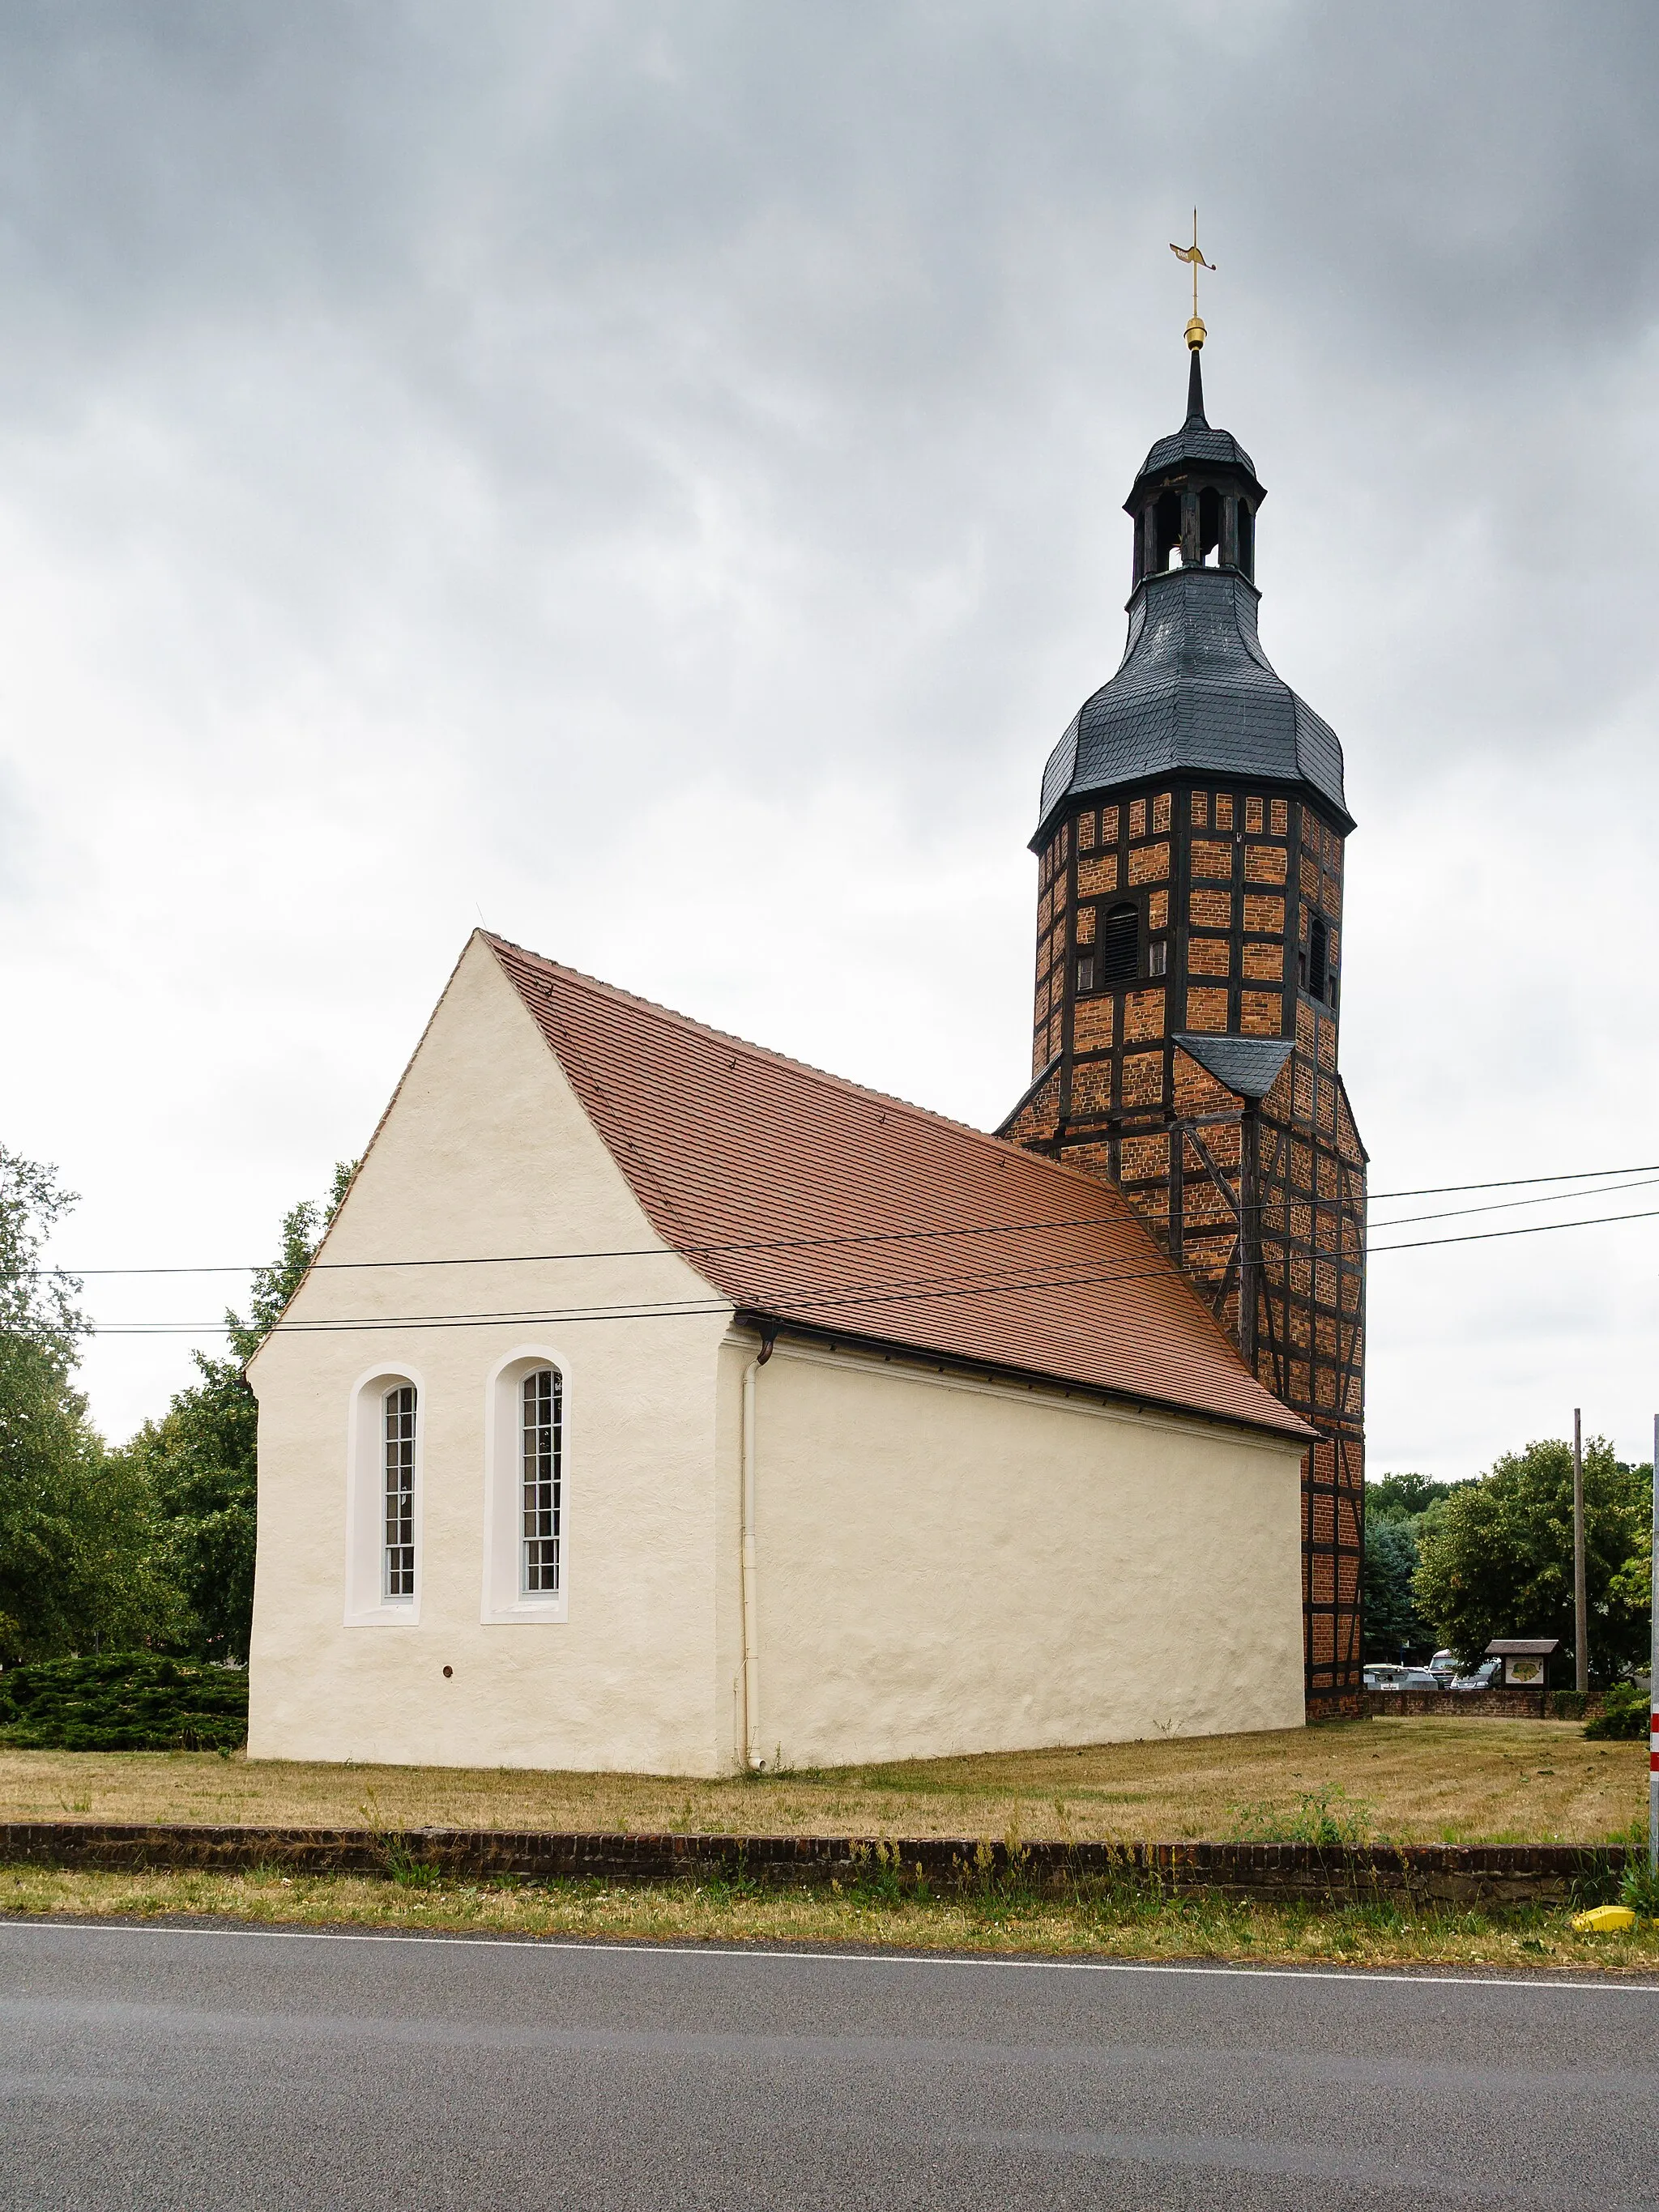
point(657, 1402)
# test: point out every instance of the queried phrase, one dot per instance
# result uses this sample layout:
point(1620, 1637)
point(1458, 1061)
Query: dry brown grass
point(1103, 1924)
point(1419, 1780)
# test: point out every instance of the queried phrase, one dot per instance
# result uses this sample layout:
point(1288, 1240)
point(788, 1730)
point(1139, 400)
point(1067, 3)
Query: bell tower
point(1190, 842)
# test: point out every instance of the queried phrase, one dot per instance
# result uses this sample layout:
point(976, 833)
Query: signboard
point(1527, 1673)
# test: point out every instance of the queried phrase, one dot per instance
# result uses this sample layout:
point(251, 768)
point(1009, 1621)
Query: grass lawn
point(1423, 1780)
point(1100, 1920)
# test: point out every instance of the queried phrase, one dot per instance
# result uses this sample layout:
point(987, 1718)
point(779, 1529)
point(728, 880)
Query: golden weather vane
point(1195, 332)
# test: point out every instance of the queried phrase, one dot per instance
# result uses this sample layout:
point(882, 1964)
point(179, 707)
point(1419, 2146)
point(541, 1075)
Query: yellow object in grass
point(1604, 1919)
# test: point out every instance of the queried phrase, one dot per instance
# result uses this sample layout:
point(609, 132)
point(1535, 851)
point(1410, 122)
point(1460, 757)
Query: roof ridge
point(827, 1076)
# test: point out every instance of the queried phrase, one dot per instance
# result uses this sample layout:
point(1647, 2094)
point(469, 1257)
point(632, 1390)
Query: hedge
point(123, 1701)
point(1623, 1718)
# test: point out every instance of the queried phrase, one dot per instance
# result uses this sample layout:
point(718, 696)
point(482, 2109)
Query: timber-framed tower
point(1191, 839)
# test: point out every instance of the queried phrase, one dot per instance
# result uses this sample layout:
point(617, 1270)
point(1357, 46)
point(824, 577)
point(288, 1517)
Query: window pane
point(399, 1492)
point(541, 1445)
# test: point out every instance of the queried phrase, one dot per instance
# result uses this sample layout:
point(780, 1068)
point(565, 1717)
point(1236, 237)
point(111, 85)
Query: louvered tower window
point(1117, 947)
point(1317, 969)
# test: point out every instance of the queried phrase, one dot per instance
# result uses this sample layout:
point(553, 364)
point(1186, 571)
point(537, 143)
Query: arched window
point(383, 1500)
point(1316, 964)
point(1118, 945)
point(398, 1468)
point(526, 1548)
point(541, 1443)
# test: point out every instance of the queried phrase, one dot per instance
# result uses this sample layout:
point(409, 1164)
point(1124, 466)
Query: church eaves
point(821, 1207)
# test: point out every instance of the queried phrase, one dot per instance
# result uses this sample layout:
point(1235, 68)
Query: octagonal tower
point(1190, 844)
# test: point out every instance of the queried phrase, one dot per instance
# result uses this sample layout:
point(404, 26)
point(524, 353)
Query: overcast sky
point(650, 477)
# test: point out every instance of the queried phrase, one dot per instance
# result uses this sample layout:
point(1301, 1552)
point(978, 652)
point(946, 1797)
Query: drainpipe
point(752, 1736)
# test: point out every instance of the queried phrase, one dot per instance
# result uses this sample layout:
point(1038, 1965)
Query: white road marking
point(1497, 1979)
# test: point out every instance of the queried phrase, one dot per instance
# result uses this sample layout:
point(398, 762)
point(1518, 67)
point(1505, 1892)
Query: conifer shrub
point(123, 1701)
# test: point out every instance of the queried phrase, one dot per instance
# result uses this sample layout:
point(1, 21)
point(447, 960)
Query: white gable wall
point(487, 1150)
point(947, 1566)
point(944, 1565)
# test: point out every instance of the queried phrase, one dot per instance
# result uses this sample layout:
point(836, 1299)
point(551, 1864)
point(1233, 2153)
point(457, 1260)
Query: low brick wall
point(1460, 1704)
point(1428, 1872)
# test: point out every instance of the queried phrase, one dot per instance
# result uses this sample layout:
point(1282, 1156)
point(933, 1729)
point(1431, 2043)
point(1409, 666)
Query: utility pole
point(1653, 1674)
point(1580, 1610)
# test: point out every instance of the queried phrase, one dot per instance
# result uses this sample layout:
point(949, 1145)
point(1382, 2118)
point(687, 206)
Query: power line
point(1532, 1228)
point(1512, 1182)
point(637, 1251)
point(872, 1236)
point(665, 1310)
point(1507, 1205)
point(946, 1287)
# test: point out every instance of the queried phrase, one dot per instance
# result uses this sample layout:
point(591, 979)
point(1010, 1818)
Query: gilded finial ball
point(1195, 334)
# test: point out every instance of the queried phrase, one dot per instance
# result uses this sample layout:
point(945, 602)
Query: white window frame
point(506, 1603)
point(366, 1605)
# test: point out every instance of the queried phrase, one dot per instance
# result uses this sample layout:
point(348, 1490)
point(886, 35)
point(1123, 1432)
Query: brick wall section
point(1464, 1873)
point(1501, 1704)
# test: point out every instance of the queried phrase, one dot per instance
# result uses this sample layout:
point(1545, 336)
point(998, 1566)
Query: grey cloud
point(441, 447)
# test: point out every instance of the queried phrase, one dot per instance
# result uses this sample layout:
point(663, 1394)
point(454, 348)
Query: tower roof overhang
point(1195, 694)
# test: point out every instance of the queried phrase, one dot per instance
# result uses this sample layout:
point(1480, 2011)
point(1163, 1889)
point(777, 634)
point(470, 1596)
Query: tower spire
point(1195, 414)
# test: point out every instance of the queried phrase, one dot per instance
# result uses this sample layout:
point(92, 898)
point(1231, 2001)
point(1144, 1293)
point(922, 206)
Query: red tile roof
point(806, 1199)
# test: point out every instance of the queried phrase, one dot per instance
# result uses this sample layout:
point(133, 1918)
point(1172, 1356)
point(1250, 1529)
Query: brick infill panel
point(1506, 1873)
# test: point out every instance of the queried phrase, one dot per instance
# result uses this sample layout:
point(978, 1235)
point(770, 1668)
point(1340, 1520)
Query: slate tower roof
point(1195, 691)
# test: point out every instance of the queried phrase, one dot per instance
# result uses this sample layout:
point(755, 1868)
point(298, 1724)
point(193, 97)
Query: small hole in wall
point(448, 1671)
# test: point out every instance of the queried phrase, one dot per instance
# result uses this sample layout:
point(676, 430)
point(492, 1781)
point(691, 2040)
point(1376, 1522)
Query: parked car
point(1483, 1677)
point(1384, 1677)
point(1445, 1668)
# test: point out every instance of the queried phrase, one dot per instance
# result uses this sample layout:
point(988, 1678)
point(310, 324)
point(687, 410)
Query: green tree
point(76, 1563)
point(1404, 1496)
point(1391, 1623)
point(1496, 1556)
point(199, 1461)
point(1398, 1508)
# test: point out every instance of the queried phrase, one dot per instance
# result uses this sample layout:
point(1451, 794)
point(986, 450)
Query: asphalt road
point(156, 2067)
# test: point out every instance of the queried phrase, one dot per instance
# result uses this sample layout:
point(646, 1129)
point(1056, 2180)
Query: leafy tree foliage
point(75, 1565)
point(199, 1461)
point(1496, 1556)
point(1404, 1496)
